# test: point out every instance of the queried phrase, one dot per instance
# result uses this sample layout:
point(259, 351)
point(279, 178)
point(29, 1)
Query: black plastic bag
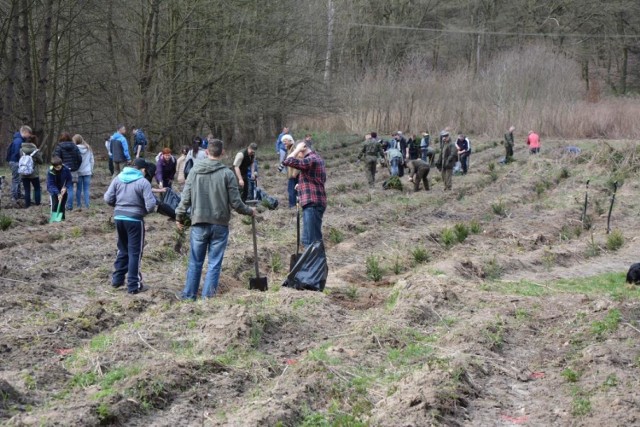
point(311, 270)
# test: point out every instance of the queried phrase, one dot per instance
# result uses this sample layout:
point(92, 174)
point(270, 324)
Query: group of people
point(69, 172)
point(399, 153)
point(211, 189)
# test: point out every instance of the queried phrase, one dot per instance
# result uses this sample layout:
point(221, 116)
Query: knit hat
point(444, 133)
point(253, 146)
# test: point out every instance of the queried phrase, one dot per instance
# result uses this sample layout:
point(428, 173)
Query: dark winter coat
point(70, 155)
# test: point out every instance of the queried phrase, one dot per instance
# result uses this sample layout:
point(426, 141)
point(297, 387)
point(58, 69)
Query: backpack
point(25, 165)
point(187, 167)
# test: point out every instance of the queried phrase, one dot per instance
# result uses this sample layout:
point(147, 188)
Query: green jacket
point(28, 148)
point(449, 155)
point(372, 150)
point(211, 191)
point(508, 139)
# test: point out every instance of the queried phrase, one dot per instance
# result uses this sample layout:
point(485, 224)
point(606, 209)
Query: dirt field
point(489, 305)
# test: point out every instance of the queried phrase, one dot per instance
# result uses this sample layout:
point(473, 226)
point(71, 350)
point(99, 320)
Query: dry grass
point(532, 88)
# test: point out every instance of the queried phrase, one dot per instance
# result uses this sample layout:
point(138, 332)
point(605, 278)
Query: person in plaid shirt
point(313, 198)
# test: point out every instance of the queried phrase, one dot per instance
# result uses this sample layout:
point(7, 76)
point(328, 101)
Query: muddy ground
point(525, 321)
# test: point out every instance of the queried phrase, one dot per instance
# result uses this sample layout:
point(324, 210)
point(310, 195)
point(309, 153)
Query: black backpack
point(187, 167)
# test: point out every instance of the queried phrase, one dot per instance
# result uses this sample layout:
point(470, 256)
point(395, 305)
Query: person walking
point(119, 149)
point(13, 157)
point(372, 153)
point(139, 142)
point(211, 191)
point(130, 194)
point(418, 171)
point(533, 141)
point(85, 171)
point(311, 191)
point(166, 168)
point(71, 158)
point(464, 150)
point(180, 164)
point(107, 145)
point(59, 181)
point(508, 145)
point(30, 148)
point(281, 149)
point(449, 157)
point(241, 164)
point(425, 149)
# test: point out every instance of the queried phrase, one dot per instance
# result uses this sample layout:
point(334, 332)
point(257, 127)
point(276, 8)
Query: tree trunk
point(43, 78)
point(327, 61)
point(12, 77)
point(27, 76)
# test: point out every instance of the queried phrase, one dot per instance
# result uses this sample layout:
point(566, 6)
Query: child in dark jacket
point(59, 179)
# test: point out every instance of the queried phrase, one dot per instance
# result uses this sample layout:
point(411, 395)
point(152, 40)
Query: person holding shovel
point(59, 180)
point(211, 191)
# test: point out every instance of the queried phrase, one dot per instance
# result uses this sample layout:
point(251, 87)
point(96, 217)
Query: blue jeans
point(82, 189)
point(37, 192)
point(70, 191)
point(130, 244)
point(16, 179)
point(312, 220)
point(291, 190)
point(205, 236)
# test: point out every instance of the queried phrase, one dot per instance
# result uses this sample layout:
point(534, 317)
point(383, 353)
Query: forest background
point(241, 69)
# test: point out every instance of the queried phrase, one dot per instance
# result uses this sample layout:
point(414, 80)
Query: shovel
point(294, 258)
point(57, 215)
point(259, 283)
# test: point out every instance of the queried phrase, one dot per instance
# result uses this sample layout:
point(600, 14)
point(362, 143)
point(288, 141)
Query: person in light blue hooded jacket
point(130, 194)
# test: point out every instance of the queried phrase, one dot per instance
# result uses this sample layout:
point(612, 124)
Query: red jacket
point(533, 141)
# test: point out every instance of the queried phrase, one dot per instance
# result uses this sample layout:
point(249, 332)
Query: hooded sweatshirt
point(86, 167)
point(13, 151)
point(131, 195)
point(211, 191)
point(27, 149)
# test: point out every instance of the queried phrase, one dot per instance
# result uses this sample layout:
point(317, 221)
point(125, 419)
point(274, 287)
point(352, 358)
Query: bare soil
point(527, 321)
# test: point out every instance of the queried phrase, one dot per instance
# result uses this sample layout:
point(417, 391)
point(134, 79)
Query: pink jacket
point(533, 141)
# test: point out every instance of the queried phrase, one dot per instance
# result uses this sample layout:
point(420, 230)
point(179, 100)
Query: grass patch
point(570, 375)
point(420, 255)
point(615, 240)
point(492, 269)
point(499, 208)
point(335, 236)
point(609, 284)
point(462, 232)
point(609, 324)
point(5, 222)
point(276, 262)
point(448, 237)
point(392, 300)
point(475, 227)
point(373, 268)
